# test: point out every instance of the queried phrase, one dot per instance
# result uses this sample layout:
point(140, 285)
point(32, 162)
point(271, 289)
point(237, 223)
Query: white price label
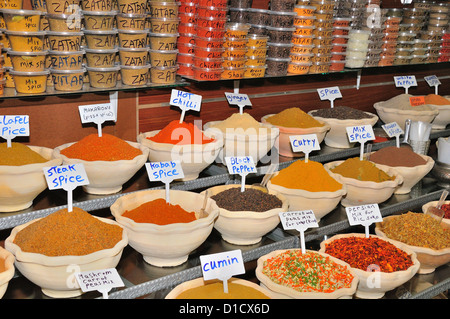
point(364, 214)
point(66, 177)
point(164, 171)
point(360, 133)
point(392, 129)
point(432, 80)
point(222, 265)
point(330, 93)
point(304, 143)
point(100, 280)
point(405, 81)
point(299, 220)
point(97, 113)
point(238, 99)
point(14, 125)
point(186, 101)
point(240, 165)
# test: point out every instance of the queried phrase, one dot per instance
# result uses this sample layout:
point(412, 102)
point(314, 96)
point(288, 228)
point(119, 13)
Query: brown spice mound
point(252, 200)
point(397, 156)
point(65, 233)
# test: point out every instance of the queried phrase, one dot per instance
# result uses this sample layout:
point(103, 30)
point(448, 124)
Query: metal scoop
point(436, 210)
point(405, 143)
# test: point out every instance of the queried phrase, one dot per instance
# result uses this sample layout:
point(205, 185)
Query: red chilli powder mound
point(181, 134)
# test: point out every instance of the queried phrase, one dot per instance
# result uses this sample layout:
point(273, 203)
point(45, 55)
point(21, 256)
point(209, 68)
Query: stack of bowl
point(235, 53)
point(26, 53)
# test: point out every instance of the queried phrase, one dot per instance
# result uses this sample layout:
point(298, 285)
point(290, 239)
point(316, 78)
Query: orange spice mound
point(64, 233)
point(101, 148)
point(181, 134)
point(159, 212)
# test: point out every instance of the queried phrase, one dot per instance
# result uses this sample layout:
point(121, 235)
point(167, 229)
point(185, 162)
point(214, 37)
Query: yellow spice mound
point(362, 170)
point(18, 155)
point(310, 176)
point(215, 291)
point(294, 117)
point(242, 121)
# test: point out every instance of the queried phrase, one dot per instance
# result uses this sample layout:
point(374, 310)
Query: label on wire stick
point(185, 100)
point(241, 165)
point(392, 129)
point(304, 143)
point(14, 125)
point(66, 176)
point(164, 171)
point(222, 265)
point(238, 99)
point(299, 220)
point(363, 215)
point(101, 280)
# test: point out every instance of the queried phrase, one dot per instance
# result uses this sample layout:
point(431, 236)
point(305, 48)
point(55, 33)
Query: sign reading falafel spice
point(433, 80)
point(164, 172)
point(14, 125)
point(364, 215)
point(405, 81)
point(99, 113)
point(393, 129)
point(241, 100)
point(330, 93)
point(185, 101)
point(241, 165)
point(222, 266)
point(304, 143)
point(100, 280)
point(299, 220)
point(66, 177)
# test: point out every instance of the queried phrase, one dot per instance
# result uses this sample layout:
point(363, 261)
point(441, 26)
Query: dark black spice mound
point(249, 200)
point(341, 113)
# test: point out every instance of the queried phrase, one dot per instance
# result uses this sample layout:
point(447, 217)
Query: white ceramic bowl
point(198, 282)
point(411, 175)
point(373, 285)
point(445, 221)
point(337, 135)
point(236, 143)
point(246, 227)
point(55, 275)
point(321, 203)
point(8, 273)
point(20, 185)
point(194, 158)
point(284, 143)
point(284, 292)
point(443, 118)
point(367, 192)
point(429, 258)
point(106, 177)
point(166, 245)
point(389, 114)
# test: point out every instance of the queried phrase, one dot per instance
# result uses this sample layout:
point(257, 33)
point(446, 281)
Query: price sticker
point(222, 266)
point(241, 165)
point(393, 130)
point(164, 172)
point(433, 80)
point(99, 113)
point(100, 280)
point(330, 93)
point(14, 125)
point(241, 100)
point(364, 215)
point(405, 81)
point(299, 220)
point(185, 101)
point(417, 100)
point(304, 143)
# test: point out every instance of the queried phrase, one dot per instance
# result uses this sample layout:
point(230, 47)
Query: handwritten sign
point(433, 80)
point(222, 266)
point(330, 93)
point(185, 101)
point(364, 215)
point(361, 134)
point(304, 143)
point(100, 280)
point(14, 125)
point(238, 99)
point(241, 165)
point(100, 113)
point(405, 81)
point(299, 220)
point(417, 100)
point(393, 129)
point(164, 172)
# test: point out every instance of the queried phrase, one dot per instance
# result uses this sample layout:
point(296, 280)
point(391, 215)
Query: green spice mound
point(308, 272)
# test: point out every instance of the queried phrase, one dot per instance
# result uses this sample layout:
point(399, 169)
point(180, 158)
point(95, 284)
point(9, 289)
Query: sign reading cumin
point(222, 266)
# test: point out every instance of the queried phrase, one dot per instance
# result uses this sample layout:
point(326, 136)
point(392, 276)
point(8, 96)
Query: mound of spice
point(308, 272)
point(341, 113)
point(294, 117)
point(181, 134)
point(416, 229)
point(244, 122)
point(436, 99)
point(365, 253)
point(446, 209)
point(402, 102)
point(19, 154)
point(65, 233)
point(397, 156)
point(101, 148)
point(361, 170)
point(159, 212)
point(310, 176)
point(250, 199)
point(215, 291)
